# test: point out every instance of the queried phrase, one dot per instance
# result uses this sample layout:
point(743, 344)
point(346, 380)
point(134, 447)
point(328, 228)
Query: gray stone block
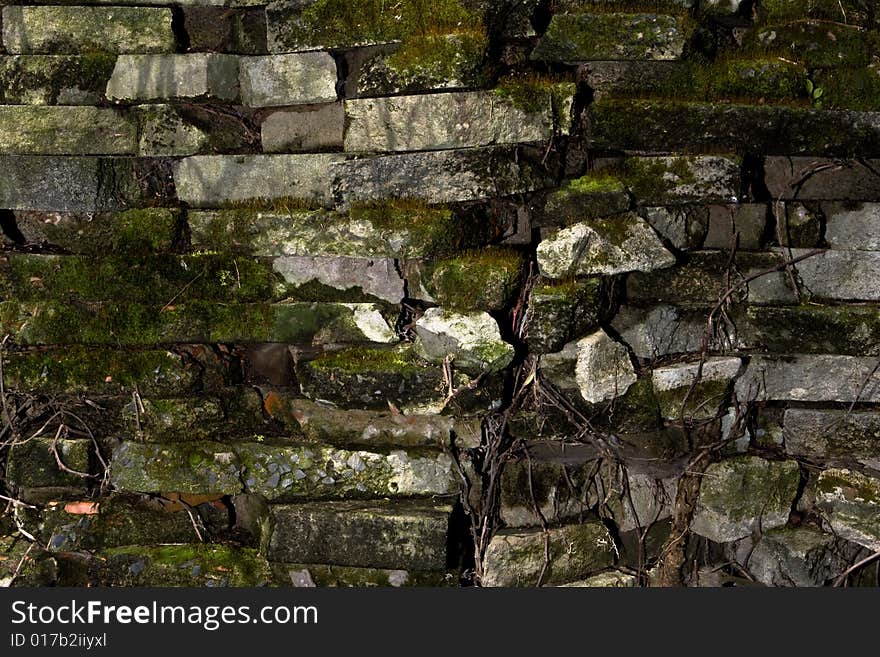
point(840, 275)
point(295, 79)
point(42, 130)
point(852, 225)
point(213, 180)
point(377, 534)
point(376, 278)
point(810, 178)
point(810, 378)
point(314, 128)
point(157, 77)
point(58, 30)
point(442, 121)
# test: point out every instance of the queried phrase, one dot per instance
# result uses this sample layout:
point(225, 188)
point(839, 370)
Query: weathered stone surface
point(721, 7)
point(839, 275)
point(675, 180)
point(833, 436)
point(57, 30)
point(610, 36)
point(100, 371)
point(51, 323)
point(596, 366)
point(663, 126)
point(329, 575)
point(683, 226)
point(809, 178)
point(661, 330)
point(157, 77)
point(746, 222)
point(819, 378)
point(471, 340)
point(612, 579)
point(328, 24)
point(852, 225)
point(318, 472)
point(589, 197)
point(740, 494)
point(180, 565)
point(799, 556)
point(198, 468)
point(79, 184)
point(558, 313)
point(614, 245)
point(54, 79)
point(486, 279)
point(799, 224)
point(298, 79)
point(565, 487)
point(200, 418)
point(438, 177)
point(33, 464)
point(134, 232)
point(441, 121)
point(213, 180)
point(849, 501)
point(424, 62)
point(691, 391)
point(329, 425)
point(576, 551)
point(410, 534)
point(118, 520)
point(392, 230)
point(377, 279)
point(164, 131)
point(45, 131)
point(811, 329)
point(315, 128)
point(631, 78)
point(374, 378)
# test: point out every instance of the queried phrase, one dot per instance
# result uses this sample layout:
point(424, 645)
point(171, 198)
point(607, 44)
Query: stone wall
point(498, 292)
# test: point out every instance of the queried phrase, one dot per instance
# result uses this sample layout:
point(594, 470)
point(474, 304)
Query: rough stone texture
point(55, 79)
point(612, 579)
point(684, 227)
point(76, 184)
point(839, 275)
point(58, 30)
point(682, 179)
point(41, 130)
point(596, 366)
point(747, 222)
point(560, 313)
point(692, 390)
point(371, 534)
point(212, 180)
point(329, 425)
point(741, 494)
point(159, 77)
point(441, 121)
point(516, 558)
point(810, 178)
point(472, 341)
point(438, 177)
point(34, 464)
point(661, 330)
point(852, 225)
point(849, 502)
point(163, 131)
point(298, 79)
point(611, 246)
point(833, 436)
point(584, 37)
point(317, 128)
point(374, 278)
point(810, 378)
point(799, 557)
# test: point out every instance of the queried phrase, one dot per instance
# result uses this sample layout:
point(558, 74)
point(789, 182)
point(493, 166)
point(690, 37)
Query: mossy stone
point(476, 280)
point(33, 464)
point(558, 312)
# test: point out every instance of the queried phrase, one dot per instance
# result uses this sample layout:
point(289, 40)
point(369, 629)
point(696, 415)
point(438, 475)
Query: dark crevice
point(178, 28)
point(9, 226)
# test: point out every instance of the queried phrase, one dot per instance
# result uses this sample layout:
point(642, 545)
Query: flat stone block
point(50, 130)
point(157, 77)
point(59, 30)
point(315, 128)
point(297, 79)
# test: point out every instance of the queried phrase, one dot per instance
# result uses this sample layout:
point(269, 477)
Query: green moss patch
point(476, 280)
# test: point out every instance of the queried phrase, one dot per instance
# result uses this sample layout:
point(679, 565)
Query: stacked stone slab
point(271, 281)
